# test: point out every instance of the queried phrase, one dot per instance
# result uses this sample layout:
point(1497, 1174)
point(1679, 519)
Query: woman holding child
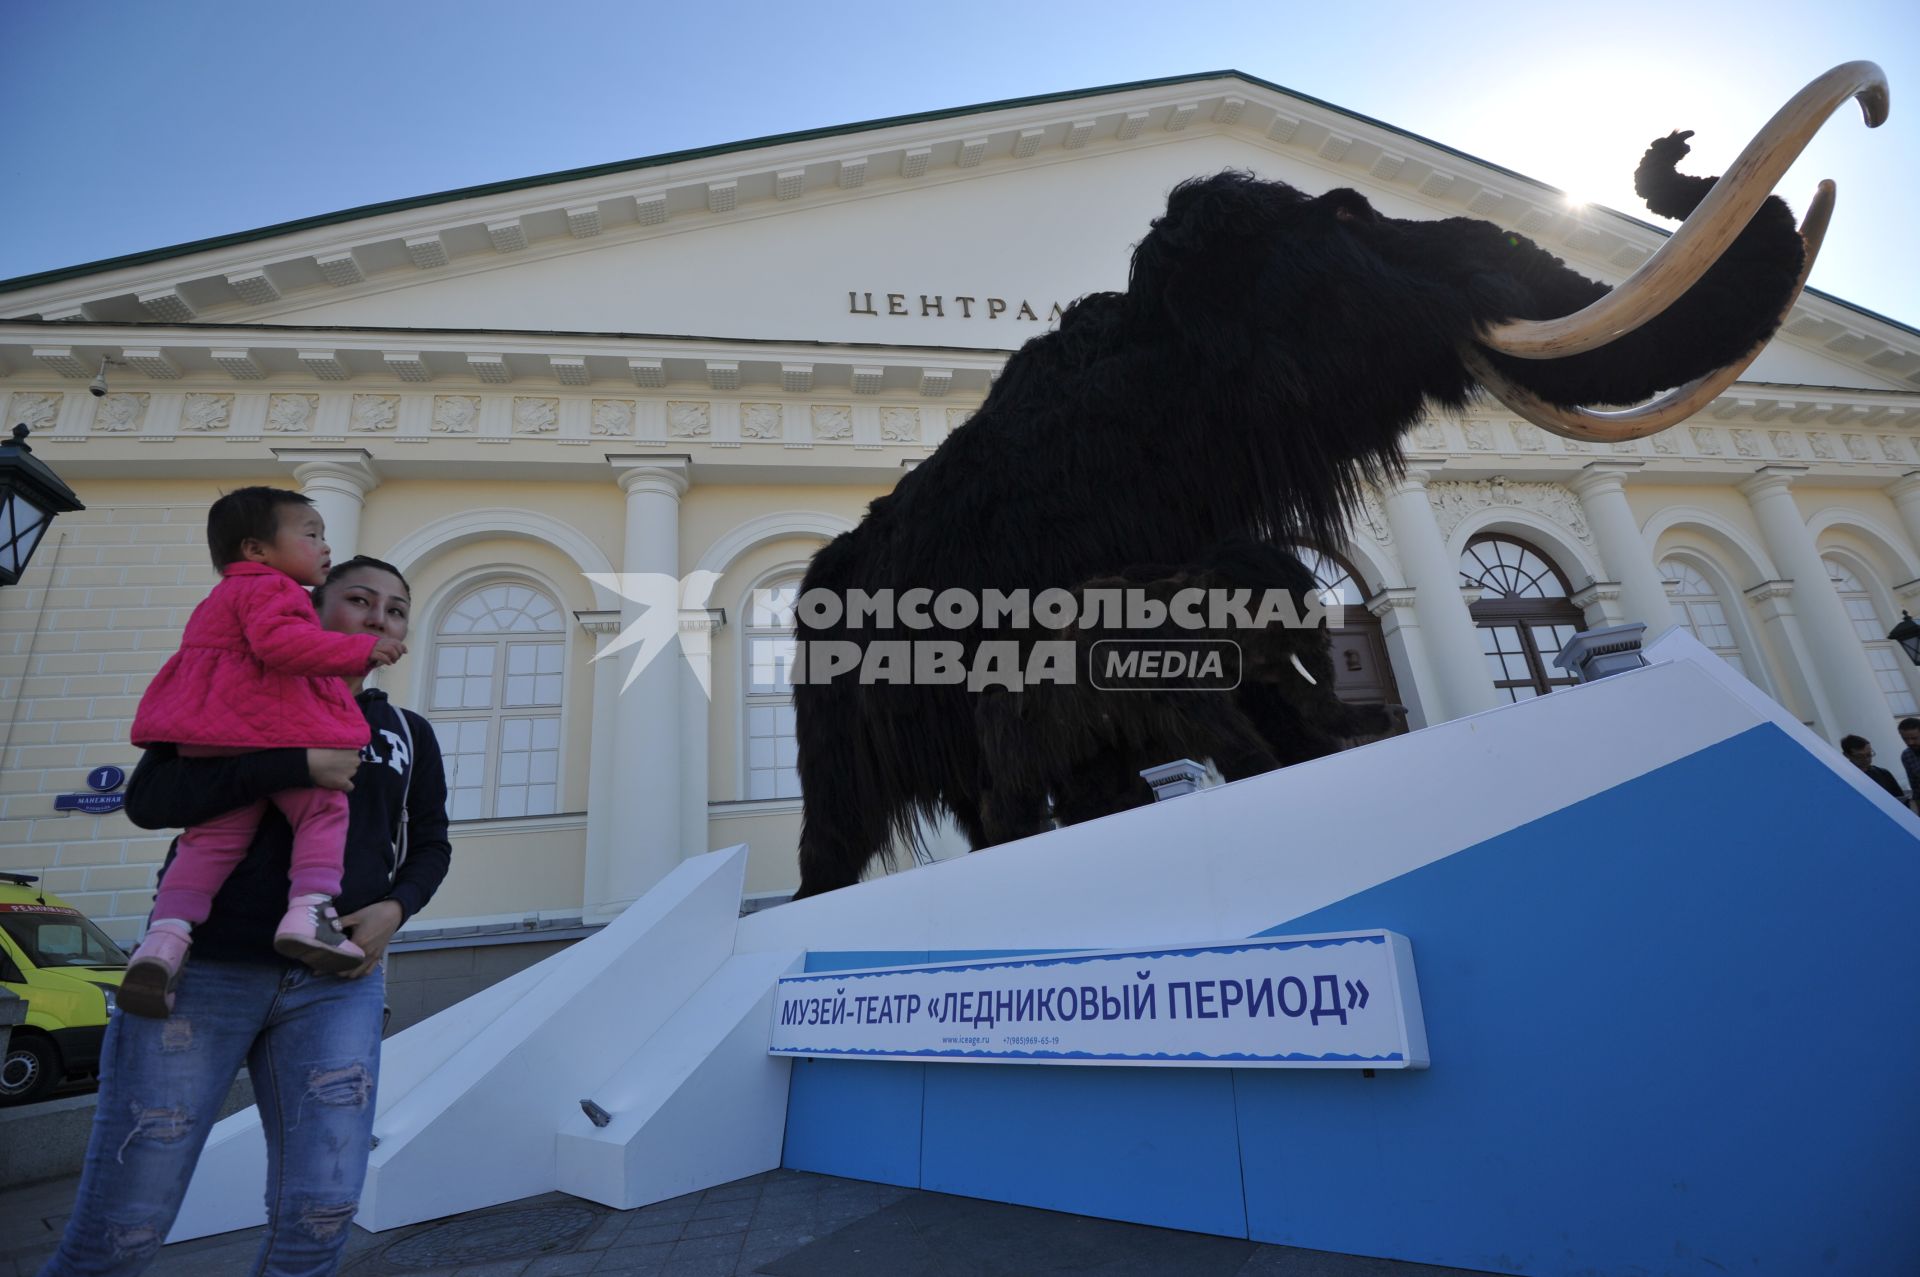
point(238, 992)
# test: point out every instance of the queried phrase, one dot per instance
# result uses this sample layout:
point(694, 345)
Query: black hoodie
point(170, 792)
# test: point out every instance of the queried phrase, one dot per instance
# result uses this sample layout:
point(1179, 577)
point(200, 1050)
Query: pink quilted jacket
point(256, 671)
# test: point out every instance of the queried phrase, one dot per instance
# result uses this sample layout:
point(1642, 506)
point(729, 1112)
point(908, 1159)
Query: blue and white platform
point(1672, 1011)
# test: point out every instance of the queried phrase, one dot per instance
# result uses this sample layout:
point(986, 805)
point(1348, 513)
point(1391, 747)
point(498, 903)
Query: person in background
point(1910, 757)
point(1859, 752)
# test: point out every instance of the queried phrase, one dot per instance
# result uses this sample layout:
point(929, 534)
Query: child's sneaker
point(310, 933)
point(153, 972)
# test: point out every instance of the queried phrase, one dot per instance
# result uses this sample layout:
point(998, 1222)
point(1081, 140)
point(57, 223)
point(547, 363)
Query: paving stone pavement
point(780, 1224)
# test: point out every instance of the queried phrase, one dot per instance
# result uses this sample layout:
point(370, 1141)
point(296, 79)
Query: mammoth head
point(1459, 301)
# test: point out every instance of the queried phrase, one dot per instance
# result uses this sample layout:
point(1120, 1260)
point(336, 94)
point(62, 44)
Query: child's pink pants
point(208, 852)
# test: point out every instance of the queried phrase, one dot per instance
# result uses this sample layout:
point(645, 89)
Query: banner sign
point(1341, 1000)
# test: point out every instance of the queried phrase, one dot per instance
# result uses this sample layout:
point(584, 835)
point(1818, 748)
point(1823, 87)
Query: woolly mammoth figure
point(1257, 373)
point(1069, 751)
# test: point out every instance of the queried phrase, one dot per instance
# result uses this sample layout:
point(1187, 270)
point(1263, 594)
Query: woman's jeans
point(312, 1045)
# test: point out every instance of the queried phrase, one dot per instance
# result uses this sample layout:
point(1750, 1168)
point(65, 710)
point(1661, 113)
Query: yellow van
point(66, 970)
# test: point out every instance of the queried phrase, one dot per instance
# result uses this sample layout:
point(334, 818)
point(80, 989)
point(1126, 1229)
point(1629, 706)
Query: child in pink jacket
point(256, 671)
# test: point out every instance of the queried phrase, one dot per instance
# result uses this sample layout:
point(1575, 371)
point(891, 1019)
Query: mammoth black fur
point(1257, 373)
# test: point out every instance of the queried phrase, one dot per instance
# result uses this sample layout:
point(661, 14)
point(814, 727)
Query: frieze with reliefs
point(1453, 502)
point(1529, 437)
point(207, 413)
point(455, 414)
point(1374, 514)
point(291, 414)
point(689, 419)
point(1822, 445)
point(536, 416)
point(1430, 436)
point(958, 417)
point(1627, 447)
point(1479, 437)
point(36, 412)
point(761, 421)
point(1664, 443)
point(1895, 448)
point(374, 414)
point(832, 421)
point(121, 414)
point(1857, 448)
point(1706, 440)
point(1745, 442)
point(900, 425)
point(612, 418)
point(1784, 443)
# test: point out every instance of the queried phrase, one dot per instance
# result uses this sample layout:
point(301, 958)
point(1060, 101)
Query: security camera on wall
point(98, 386)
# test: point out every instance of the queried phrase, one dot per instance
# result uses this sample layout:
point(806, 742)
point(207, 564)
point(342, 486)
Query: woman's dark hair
point(357, 562)
point(243, 515)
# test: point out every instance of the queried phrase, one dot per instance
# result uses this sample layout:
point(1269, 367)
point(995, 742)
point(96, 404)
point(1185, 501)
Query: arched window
point(498, 674)
point(1524, 615)
point(1361, 671)
point(1882, 654)
point(1700, 606)
point(768, 645)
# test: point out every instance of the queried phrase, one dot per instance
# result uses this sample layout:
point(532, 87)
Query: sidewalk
point(782, 1224)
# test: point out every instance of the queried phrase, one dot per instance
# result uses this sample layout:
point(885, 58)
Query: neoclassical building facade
point(702, 366)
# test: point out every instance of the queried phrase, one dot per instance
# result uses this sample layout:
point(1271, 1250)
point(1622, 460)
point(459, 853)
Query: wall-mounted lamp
point(1907, 635)
point(98, 386)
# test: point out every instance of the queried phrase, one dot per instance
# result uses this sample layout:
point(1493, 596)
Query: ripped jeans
point(311, 1043)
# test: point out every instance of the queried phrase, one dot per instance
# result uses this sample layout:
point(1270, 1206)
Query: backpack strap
point(406, 791)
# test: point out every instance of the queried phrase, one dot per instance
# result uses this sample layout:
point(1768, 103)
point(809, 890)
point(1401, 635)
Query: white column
point(1601, 487)
point(1599, 604)
point(605, 627)
point(1839, 663)
point(337, 481)
point(643, 814)
point(1400, 627)
point(1772, 603)
point(696, 708)
point(1446, 629)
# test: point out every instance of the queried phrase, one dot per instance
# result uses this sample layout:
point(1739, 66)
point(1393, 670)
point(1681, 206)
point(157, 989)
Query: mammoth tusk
point(1675, 405)
point(1720, 217)
point(1303, 669)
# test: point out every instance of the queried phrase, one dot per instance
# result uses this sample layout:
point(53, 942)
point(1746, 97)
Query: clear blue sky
point(137, 125)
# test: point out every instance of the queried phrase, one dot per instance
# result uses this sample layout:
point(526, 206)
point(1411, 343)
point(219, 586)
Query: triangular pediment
point(964, 230)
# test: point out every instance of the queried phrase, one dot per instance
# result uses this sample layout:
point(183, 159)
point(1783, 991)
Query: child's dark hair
point(243, 515)
point(357, 562)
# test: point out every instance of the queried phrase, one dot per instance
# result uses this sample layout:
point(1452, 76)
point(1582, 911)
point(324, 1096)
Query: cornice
point(373, 248)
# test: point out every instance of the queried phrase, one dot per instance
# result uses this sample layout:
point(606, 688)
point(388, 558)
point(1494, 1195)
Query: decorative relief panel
point(121, 414)
point(1574, 445)
point(1627, 446)
point(1822, 445)
point(37, 412)
point(900, 425)
point(1479, 437)
point(292, 414)
point(1374, 513)
point(1454, 502)
point(689, 420)
point(536, 416)
point(456, 414)
point(1665, 444)
point(1706, 440)
point(207, 413)
point(1784, 443)
point(612, 418)
point(1746, 443)
point(832, 421)
point(1857, 448)
point(957, 417)
point(1894, 447)
point(1528, 436)
point(761, 421)
point(373, 414)
point(1429, 436)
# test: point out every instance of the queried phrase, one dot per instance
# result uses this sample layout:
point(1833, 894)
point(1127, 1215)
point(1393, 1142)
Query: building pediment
point(966, 229)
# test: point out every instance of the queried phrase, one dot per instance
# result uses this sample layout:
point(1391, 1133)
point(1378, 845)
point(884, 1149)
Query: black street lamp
point(30, 496)
point(1907, 635)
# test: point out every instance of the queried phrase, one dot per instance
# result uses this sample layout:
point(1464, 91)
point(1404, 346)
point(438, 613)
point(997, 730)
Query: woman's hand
point(371, 928)
point(333, 768)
